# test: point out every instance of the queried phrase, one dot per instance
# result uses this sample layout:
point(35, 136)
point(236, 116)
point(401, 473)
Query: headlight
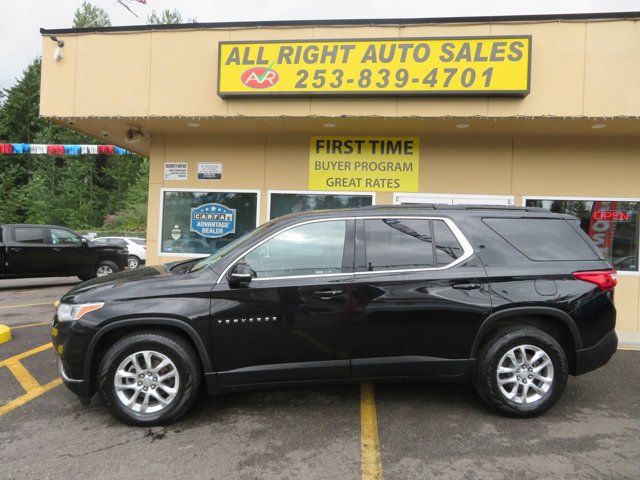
point(75, 311)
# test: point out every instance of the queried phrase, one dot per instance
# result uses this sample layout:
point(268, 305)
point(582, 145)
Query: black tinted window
point(542, 238)
point(394, 244)
point(611, 224)
point(448, 248)
point(29, 234)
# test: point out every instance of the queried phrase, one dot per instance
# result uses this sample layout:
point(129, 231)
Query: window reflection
point(285, 203)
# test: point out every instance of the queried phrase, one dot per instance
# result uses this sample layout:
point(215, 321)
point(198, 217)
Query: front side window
point(29, 234)
point(611, 224)
point(64, 237)
point(398, 244)
point(310, 249)
point(285, 203)
point(203, 222)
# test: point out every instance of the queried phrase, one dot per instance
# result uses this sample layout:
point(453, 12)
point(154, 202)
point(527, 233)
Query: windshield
point(224, 251)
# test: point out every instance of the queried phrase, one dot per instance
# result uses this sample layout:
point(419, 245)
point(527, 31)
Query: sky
point(20, 40)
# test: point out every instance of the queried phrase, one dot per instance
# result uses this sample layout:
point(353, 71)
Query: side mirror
point(84, 242)
point(240, 275)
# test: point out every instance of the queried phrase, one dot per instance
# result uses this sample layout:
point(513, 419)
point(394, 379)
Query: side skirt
point(214, 387)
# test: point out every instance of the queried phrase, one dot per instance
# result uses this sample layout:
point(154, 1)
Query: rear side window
point(396, 244)
point(29, 234)
point(542, 239)
point(448, 249)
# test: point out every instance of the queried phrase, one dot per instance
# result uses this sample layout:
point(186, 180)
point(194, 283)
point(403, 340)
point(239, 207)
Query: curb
point(5, 334)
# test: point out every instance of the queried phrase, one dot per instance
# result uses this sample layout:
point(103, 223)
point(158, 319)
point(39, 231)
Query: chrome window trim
point(467, 249)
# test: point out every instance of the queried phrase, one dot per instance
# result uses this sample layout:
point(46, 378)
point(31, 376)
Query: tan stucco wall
point(563, 166)
point(579, 68)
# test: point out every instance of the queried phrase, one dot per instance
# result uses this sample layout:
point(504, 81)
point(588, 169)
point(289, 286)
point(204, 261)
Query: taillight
point(604, 279)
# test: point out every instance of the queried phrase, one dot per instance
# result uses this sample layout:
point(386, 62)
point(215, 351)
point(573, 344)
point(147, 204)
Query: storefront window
point(611, 224)
point(203, 222)
point(284, 203)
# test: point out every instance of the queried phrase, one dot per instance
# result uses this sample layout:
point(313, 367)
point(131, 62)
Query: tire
point(185, 364)
point(133, 262)
point(103, 267)
point(500, 350)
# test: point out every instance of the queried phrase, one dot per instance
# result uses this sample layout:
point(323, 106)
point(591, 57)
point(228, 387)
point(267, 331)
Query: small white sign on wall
point(209, 171)
point(175, 171)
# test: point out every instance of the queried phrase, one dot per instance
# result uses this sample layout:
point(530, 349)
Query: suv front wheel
point(149, 378)
point(521, 371)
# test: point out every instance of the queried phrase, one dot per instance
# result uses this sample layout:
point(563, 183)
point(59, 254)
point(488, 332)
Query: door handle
point(326, 294)
point(466, 286)
point(15, 249)
point(57, 249)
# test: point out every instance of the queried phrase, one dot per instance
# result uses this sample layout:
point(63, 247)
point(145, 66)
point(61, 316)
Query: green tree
point(19, 120)
point(167, 17)
point(88, 15)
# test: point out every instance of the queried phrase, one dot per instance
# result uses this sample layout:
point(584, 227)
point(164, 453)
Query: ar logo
point(260, 77)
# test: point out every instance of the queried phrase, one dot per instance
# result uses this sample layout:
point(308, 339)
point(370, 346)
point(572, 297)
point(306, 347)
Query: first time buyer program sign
point(362, 164)
point(453, 66)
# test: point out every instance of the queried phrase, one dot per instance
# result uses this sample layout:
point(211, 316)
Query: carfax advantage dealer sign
point(455, 66)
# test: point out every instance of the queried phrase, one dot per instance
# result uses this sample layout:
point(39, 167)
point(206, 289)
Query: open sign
point(612, 215)
point(260, 77)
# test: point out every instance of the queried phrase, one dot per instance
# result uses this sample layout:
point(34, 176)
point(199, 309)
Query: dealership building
point(244, 122)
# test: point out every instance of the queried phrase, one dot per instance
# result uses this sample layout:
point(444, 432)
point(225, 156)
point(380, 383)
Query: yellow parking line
point(36, 392)
point(370, 443)
point(26, 380)
point(23, 376)
point(30, 325)
point(26, 354)
point(629, 348)
point(26, 305)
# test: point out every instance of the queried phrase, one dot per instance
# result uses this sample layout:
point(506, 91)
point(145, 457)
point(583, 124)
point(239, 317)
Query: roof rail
point(443, 206)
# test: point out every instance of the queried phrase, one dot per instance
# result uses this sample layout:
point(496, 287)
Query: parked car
point(513, 299)
point(53, 251)
point(137, 248)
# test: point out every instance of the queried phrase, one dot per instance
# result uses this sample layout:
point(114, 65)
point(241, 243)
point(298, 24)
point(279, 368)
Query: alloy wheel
point(146, 382)
point(104, 270)
point(525, 374)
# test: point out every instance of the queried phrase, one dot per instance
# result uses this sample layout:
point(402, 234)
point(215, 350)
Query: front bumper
point(70, 342)
point(82, 388)
point(589, 359)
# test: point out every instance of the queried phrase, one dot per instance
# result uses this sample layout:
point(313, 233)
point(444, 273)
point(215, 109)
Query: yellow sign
point(480, 66)
point(362, 164)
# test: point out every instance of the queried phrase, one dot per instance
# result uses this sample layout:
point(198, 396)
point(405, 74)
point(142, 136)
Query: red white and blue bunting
point(41, 149)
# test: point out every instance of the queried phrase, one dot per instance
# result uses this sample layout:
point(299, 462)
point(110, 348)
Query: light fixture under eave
point(193, 125)
point(463, 125)
point(328, 125)
point(598, 125)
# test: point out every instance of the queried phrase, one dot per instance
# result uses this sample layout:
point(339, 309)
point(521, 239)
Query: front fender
point(152, 322)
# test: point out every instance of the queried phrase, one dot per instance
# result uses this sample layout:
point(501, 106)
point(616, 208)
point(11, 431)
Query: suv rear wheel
point(521, 371)
point(149, 378)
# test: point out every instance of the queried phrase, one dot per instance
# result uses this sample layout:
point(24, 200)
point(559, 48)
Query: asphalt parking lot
point(395, 431)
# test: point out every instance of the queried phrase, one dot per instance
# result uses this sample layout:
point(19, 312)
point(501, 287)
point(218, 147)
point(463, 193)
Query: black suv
point(511, 299)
